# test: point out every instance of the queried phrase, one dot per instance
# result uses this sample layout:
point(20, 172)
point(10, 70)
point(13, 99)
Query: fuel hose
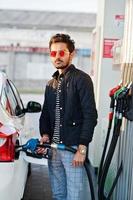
point(110, 118)
point(86, 163)
point(119, 110)
point(31, 146)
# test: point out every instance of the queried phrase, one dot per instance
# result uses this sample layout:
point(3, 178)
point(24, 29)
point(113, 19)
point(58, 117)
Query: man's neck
point(62, 71)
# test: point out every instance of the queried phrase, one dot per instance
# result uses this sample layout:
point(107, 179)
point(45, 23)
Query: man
point(68, 116)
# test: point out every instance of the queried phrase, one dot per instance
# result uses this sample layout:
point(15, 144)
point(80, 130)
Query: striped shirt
point(56, 135)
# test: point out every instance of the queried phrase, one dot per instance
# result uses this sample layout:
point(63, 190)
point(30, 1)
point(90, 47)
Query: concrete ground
point(38, 186)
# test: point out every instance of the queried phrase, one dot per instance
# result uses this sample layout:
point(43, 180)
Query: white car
point(13, 130)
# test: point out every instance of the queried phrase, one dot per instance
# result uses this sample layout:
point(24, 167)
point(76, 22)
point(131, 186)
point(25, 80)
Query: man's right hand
point(44, 139)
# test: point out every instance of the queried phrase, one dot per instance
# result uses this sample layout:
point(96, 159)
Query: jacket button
point(74, 123)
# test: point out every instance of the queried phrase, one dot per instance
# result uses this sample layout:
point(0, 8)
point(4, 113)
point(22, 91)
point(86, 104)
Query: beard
point(59, 64)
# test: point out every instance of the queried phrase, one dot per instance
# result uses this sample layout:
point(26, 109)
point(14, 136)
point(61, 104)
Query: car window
point(5, 102)
point(10, 100)
point(16, 94)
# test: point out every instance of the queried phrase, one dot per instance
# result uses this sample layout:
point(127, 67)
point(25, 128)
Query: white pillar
point(109, 28)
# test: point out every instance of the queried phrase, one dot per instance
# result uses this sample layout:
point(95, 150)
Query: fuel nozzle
point(123, 91)
point(121, 97)
point(114, 90)
point(31, 145)
point(112, 102)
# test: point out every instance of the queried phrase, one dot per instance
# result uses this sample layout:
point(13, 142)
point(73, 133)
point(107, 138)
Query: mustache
point(58, 60)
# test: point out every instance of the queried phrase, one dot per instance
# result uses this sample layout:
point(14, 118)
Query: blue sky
point(51, 5)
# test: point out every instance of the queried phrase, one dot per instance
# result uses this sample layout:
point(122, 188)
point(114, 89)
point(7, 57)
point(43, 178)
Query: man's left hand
point(79, 157)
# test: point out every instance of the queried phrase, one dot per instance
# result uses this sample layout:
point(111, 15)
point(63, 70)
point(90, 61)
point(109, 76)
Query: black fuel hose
point(115, 181)
point(107, 138)
point(109, 156)
point(108, 160)
point(33, 144)
point(111, 114)
point(86, 163)
point(103, 154)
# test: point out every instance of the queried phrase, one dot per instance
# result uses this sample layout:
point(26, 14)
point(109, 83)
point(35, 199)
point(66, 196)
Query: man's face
point(60, 55)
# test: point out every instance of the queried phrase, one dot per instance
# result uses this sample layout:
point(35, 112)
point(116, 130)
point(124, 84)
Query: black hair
point(60, 37)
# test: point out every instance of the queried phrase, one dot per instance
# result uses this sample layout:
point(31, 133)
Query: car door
point(13, 173)
point(15, 116)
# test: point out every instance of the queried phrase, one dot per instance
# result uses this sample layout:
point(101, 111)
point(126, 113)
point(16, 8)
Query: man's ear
point(72, 54)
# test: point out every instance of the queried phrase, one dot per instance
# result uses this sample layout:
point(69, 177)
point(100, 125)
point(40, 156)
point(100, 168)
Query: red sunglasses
point(61, 53)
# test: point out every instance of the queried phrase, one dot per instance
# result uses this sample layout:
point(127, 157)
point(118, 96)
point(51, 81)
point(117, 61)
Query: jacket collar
point(66, 72)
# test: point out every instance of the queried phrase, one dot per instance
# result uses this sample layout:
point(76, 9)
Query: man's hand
point(79, 156)
point(44, 139)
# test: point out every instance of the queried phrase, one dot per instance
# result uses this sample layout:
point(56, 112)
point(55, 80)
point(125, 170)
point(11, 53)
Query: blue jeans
point(66, 180)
